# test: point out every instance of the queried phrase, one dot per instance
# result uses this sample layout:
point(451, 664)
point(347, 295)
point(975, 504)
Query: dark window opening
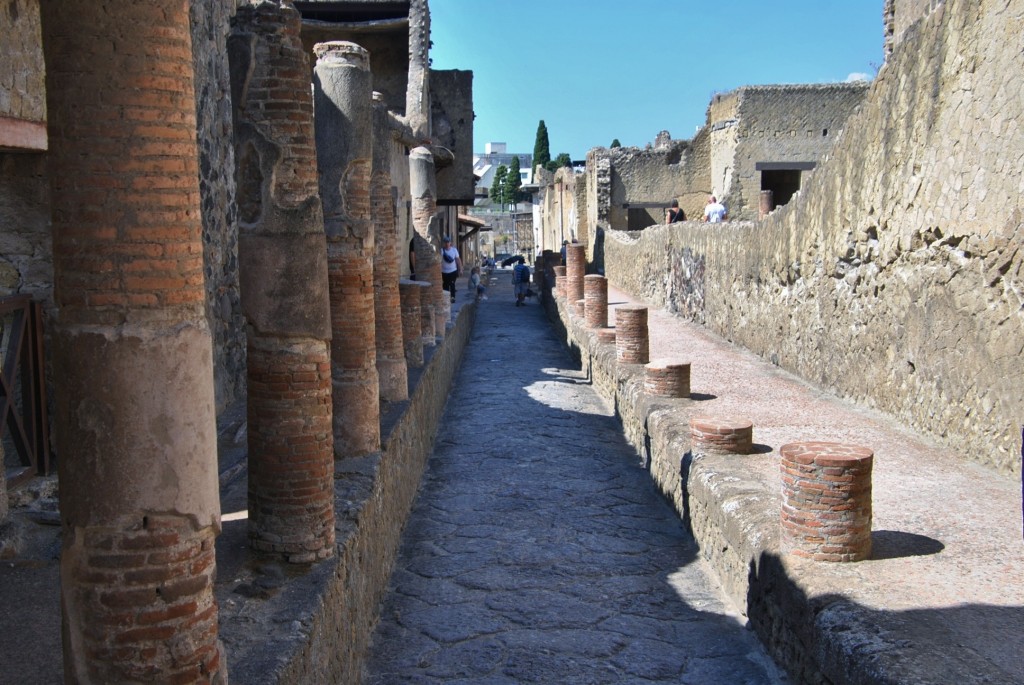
point(824, 132)
point(782, 182)
point(640, 218)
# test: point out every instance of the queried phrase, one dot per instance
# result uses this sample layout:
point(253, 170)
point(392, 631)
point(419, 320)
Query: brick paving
point(539, 550)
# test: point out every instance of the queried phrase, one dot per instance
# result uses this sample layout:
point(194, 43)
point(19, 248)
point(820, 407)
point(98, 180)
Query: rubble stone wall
point(895, 278)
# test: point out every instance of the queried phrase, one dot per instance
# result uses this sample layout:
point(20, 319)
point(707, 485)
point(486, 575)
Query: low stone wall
point(319, 623)
point(733, 516)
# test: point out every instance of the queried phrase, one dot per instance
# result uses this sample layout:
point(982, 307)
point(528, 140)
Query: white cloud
point(857, 76)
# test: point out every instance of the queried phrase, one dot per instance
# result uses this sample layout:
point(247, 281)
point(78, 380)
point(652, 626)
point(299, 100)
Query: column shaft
point(283, 267)
point(133, 367)
point(344, 131)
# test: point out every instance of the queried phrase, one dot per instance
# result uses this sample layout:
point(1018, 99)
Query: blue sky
point(596, 70)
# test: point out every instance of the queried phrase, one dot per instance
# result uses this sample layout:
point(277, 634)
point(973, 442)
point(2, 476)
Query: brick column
point(423, 184)
point(667, 378)
point(283, 268)
point(135, 421)
point(391, 366)
point(826, 501)
point(766, 204)
point(632, 344)
point(344, 131)
point(578, 307)
point(595, 295)
point(428, 322)
point(412, 322)
point(606, 335)
point(560, 281)
point(575, 269)
point(721, 435)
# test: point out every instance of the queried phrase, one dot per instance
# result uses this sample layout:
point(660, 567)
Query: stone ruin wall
point(895, 278)
point(781, 124)
point(210, 25)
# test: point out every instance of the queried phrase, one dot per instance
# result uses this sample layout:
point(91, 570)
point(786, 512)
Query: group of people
point(714, 212)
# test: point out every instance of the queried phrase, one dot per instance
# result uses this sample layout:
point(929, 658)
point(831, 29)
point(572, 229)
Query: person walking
point(714, 211)
point(521, 281)
point(451, 266)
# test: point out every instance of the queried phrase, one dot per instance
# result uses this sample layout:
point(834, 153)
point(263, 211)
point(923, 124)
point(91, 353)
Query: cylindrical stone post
point(427, 241)
point(606, 335)
point(391, 364)
point(826, 500)
point(578, 308)
point(560, 281)
point(575, 269)
point(721, 435)
point(595, 295)
point(632, 342)
point(766, 204)
point(667, 378)
point(132, 350)
point(283, 268)
point(344, 132)
point(412, 323)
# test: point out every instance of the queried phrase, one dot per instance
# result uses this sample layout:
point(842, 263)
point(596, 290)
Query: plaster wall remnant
point(895, 277)
point(22, 78)
point(344, 131)
point(283, 257)
point(137, 433)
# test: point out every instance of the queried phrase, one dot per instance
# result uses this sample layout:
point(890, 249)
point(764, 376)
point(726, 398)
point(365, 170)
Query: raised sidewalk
point(941, 600)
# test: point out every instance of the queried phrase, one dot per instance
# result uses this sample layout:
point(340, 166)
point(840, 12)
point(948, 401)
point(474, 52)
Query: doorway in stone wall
point(782, 178)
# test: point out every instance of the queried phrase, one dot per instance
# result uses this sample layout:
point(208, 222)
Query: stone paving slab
point(539, 550)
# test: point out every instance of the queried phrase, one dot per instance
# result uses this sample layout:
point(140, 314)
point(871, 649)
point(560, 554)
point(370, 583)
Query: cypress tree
point(541, 148)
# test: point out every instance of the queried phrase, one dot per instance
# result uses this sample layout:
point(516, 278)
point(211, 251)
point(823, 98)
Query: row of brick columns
point(328, 329)
point(826, 487)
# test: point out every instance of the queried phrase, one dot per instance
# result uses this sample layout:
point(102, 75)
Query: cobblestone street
point(538, 550)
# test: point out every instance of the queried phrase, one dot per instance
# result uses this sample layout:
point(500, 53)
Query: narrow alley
point(539, 550)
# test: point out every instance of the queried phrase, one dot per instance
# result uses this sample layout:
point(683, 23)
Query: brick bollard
point(826, 501)
point(575, 269)
point(632, 344)
point(721, 435)
point(412, 322)
point(578, 308)
point(137, 431)
point(559, 281)
point(283, 266)
point(667, 378)
point(595, 294)
point(766, 204)
point(606, 335)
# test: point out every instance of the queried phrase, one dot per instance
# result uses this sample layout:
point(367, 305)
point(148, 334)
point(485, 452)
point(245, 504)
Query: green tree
point(616, 143)
point(497, 192)
point(513, 182)
point(541, 148)
point(563, 159)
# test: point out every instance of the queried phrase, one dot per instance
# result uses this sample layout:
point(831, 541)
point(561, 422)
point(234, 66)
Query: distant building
point(486, 163)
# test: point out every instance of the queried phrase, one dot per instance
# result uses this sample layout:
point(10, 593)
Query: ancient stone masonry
point(210, 25)
point(22, 92)
point(895, 277)
point(283, 257)
point(344, 127)
point(391, 364)
point(136, 434)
